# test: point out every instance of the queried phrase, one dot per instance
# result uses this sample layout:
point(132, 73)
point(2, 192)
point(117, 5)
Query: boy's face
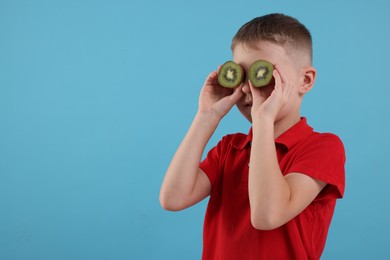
point(276, 54)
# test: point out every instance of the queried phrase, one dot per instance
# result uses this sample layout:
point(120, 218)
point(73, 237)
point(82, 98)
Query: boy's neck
point(284, 124)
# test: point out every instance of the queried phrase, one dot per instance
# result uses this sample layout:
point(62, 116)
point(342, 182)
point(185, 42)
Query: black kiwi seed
point(260, 73)
point(230, 75)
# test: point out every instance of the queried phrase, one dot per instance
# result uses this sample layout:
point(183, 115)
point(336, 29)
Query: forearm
point(182, 172)
point(269, 192)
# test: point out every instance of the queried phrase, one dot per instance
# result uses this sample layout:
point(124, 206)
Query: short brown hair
point(280, 29)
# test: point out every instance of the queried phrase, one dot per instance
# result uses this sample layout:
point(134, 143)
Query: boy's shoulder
point(320, 145)
point(302, 134)
point(325, 138)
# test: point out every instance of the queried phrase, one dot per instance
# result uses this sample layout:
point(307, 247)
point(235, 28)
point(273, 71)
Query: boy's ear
point(308, 78)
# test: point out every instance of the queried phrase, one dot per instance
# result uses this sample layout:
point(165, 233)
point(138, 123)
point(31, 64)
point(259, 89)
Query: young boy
point(272, 191)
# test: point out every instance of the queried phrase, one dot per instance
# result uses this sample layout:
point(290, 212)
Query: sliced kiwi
point(260, 73)
point(230, 75)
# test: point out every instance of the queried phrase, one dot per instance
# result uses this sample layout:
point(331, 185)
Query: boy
point(273, 191)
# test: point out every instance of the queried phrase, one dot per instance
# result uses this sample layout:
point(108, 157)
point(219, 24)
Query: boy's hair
point(280, 29)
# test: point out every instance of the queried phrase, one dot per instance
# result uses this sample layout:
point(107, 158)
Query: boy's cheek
point(267, 90)
point(271, 84)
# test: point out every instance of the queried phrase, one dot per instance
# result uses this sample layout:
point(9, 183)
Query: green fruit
point(230, 75)
point(260, 73)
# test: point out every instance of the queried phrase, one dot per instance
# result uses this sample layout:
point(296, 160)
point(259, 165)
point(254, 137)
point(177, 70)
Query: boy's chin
point(246, 112)
point(248, 117)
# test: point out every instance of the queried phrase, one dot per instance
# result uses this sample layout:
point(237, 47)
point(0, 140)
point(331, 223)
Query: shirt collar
point(291, 137)
point(295, 134)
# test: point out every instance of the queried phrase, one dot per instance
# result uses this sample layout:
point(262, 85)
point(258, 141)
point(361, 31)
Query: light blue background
point(95, 97)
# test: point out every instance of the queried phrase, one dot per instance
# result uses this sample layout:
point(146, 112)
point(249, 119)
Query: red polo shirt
point(228, 232)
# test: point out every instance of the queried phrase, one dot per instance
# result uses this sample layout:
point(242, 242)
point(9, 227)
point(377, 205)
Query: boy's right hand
point(216, 101)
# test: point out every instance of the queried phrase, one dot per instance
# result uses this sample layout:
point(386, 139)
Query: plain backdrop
point(95, 97)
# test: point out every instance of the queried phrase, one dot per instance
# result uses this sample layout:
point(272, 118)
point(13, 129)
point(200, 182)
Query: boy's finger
point(237, 94)
point(278, 78)
point(251, 87)
point(211, 77)
point(254, 90)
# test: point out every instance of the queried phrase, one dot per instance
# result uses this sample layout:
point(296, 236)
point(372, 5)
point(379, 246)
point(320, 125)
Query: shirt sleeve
point(323, 158)
point(211, 164)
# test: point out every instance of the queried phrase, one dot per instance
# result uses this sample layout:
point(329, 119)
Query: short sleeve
point(323, 158)
point(211, 164)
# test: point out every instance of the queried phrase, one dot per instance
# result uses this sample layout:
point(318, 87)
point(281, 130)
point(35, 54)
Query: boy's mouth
point(248, 104)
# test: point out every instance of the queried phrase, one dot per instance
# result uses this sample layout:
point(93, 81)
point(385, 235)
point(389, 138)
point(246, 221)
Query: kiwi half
point(230, 75)
point(260, 73)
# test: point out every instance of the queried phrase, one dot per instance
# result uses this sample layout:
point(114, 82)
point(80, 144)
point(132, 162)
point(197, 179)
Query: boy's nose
point(246, 89)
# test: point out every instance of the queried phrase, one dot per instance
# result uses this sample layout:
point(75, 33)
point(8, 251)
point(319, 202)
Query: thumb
point(237, 94)
point(223, 106)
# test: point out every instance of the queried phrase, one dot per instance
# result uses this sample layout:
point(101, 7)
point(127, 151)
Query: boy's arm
point(274, 199)
point(185, 184)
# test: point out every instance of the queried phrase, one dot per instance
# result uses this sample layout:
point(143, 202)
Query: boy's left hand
point(267, 105)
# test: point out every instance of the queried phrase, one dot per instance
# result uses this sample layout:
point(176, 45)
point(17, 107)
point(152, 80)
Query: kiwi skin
point(265, 68)
point(231, 69)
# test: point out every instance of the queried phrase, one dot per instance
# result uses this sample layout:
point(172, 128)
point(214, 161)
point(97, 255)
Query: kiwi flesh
point(260, 73)
point(230, 75)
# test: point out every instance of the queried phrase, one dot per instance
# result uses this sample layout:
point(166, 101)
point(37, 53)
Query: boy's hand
point(215, 100)
point(268, 105)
